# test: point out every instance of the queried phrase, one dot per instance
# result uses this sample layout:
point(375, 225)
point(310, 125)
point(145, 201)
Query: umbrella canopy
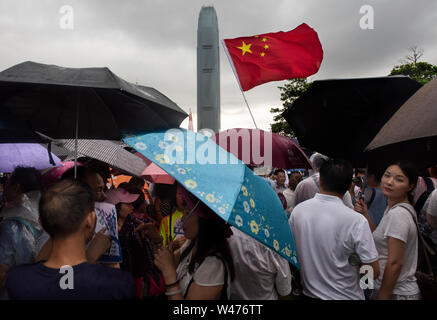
point(13, 130)
point(25, 155)
point(340, 117)
point(110, 152)
point(223, 183)
point(416, 120)
point(55, 174)
point(93, 103)
point(157, 175)
point(257, 147)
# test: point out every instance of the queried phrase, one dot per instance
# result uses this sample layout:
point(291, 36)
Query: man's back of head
point(91, 177)
point(64, 206)
point(317, 160)
point(335, 177)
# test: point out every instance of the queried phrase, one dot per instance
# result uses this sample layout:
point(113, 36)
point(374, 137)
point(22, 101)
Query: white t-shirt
point(210, 273)
point(260, 273)
point(327, 233)
point(398, 223)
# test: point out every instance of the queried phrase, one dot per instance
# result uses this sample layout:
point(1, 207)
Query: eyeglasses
point(185, 217)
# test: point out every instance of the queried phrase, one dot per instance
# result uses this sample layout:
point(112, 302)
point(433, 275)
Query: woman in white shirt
point(396, 235)
point(202, 268)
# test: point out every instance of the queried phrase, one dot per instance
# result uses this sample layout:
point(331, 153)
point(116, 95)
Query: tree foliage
point(422, 72)
point(289, 93)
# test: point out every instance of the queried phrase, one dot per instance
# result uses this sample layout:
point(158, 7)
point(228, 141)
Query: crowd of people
point(174, 247)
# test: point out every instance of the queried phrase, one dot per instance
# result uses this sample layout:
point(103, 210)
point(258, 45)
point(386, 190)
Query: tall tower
point(208, 71)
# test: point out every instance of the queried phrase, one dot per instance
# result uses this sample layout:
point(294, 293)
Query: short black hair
point(375, 169)
point(28, 178)
point(137, 182)
point(82, 173)
point(278, 171)
point(336, 175)
point(64, 206)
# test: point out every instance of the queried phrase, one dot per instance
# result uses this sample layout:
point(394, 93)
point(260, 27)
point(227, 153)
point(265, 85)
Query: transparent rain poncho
point(19, 231)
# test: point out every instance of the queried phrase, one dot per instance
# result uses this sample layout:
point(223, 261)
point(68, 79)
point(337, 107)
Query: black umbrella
point(87, 103)
point(13, 130)
point(340, 117)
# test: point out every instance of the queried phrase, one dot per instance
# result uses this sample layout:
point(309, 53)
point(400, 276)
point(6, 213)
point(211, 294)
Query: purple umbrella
point(25, 155)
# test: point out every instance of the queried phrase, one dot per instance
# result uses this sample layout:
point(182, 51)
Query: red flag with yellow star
point(275, 56)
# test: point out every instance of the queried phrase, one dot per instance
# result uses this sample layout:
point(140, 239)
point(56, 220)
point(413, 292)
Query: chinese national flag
point(275, 56)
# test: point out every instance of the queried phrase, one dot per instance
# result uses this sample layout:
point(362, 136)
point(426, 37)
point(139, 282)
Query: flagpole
point(238, 81)
point(248, 107)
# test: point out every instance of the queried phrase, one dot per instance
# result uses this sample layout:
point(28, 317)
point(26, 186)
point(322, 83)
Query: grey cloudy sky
point(153, 42)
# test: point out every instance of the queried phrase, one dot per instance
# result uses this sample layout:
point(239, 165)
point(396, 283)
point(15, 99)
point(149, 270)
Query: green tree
point(289, 93)
point(422, 72)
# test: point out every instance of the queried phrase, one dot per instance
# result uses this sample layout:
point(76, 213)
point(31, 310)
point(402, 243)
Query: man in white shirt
point(260, 273)
point(308, 188)
point(329, 235)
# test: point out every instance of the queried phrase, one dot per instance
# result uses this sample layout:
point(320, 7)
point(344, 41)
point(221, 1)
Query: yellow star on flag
point(264, 40)
point(245, 48)
point(266, 47)
point(262, 54)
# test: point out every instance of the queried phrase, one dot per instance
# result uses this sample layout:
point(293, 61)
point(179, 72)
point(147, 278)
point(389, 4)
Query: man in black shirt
point(67, 214)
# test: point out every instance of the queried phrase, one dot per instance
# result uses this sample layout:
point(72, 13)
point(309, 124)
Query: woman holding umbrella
point(396, 235)
point(202, 268)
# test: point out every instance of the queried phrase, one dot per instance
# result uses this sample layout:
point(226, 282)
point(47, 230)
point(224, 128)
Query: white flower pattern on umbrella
point(238, 220)
point(191, 184)
point(140, 146)
point(267, 233)
point(162, 158)
point(246, 206)
point(163, 144)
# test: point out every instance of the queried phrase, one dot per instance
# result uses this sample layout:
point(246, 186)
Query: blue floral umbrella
point(223, 183)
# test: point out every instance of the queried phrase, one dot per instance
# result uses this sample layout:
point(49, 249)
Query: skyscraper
point(208, 71)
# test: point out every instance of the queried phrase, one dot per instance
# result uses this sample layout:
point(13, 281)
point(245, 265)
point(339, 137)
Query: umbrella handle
point(49, 149)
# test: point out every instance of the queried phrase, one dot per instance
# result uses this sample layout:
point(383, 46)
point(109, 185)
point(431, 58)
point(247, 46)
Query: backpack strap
point(424, 196)
point(426, 248)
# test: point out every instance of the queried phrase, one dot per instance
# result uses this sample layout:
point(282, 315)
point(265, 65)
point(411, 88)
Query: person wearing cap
point(202, 269)
point(138, 240)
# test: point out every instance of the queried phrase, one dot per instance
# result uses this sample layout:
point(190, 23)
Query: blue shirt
point(378, 206)
point(91, 282)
